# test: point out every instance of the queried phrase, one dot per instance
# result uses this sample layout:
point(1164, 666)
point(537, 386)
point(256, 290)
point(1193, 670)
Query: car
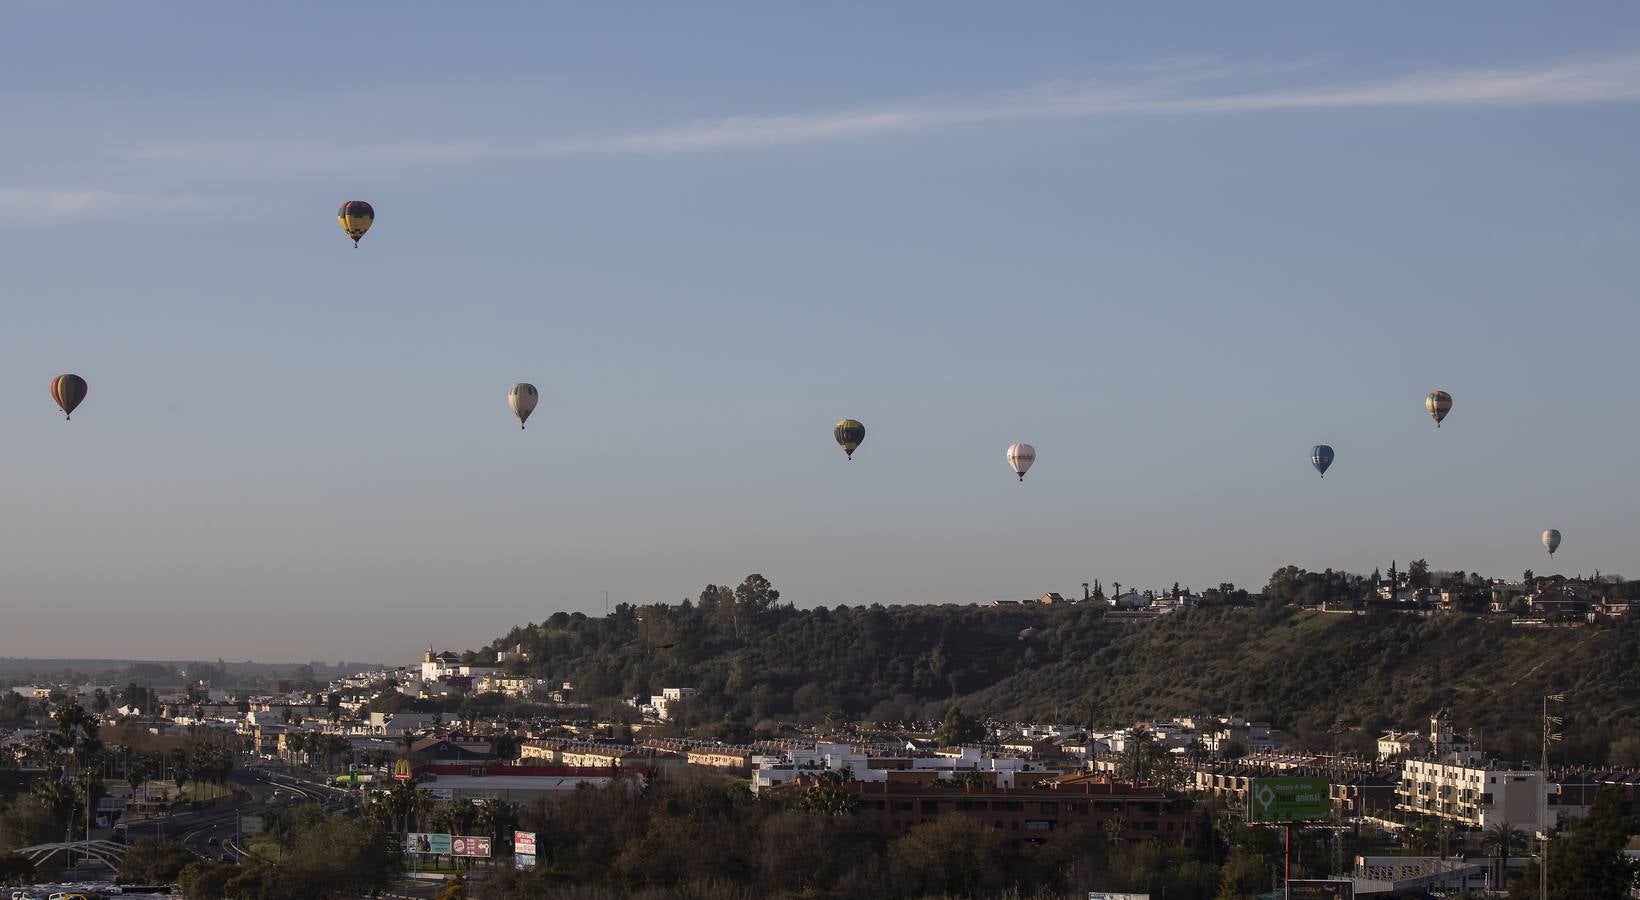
point(211, 841)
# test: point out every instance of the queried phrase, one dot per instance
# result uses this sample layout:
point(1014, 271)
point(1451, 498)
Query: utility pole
point(1550, 733)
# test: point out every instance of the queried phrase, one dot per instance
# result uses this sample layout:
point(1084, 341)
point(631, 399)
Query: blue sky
point(1171, 246)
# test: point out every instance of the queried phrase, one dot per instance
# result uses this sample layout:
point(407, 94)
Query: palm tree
point(1503, 838)
point(1115, 827)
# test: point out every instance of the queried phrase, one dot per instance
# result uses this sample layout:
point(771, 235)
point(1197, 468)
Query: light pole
point(1549, 734)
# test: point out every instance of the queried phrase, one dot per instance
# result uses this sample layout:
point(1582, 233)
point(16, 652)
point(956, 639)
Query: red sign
point(401, 770)
point(524, 842)
point(470, 846)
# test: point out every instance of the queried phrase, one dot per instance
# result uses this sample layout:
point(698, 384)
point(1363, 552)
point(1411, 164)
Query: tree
point(1418, 574)
point(1503, 839)
point(152, 862)
point(959, 728)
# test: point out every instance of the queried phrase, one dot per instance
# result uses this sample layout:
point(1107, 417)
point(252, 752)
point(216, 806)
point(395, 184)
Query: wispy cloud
point(78, 203)
point(1183, 88)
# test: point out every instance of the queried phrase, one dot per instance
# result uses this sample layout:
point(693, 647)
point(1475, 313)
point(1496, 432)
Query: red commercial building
point(1034, 813)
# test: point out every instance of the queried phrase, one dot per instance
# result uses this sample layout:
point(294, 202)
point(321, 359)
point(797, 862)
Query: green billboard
point(1276, 800)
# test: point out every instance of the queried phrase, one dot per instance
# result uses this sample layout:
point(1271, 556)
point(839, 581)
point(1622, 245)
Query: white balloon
point(1020, 457)
point(522, 399)
point(1551, 541)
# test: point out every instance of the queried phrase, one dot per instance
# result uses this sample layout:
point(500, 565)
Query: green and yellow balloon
point(849, 434)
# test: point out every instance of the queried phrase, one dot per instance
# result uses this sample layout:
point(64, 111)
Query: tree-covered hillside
point(1314, 673)
point(753, 658)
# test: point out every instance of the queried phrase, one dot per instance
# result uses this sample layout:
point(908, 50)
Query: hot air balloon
point(1321, 456)
point(1551, 541)
point(522, 399)
point(1439, 403)
point(69, 392)
point(849, 434)
point(356, 217)
point(1020, 457)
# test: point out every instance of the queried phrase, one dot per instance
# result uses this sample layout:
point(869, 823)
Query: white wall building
point(1466, 791)
point(772, 769)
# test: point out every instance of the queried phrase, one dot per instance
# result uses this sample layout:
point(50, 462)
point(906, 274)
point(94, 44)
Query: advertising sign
point(524, 842)
point(250, 824)
point(1274, 800)
point(1107, 895)
point(401, 770)
point(1318, 889)
point(422, 842)
point(441, 793)
point(464, 845)
point(523, 861)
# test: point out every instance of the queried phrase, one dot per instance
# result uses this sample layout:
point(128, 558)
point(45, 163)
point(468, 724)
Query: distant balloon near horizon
point(69, 392)
point(1020, 457)
point(1438, 403)
point(849, 434)
point(1551, 541)
point(1321, 456)
point(356, 217)
point(522, 398)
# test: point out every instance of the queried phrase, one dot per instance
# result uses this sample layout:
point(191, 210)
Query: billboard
point(524, 842)
point(250, 824)
point(440, 793)
point(523, 861)
point(423, 842)
point(1319, 889)
point(1275, 800)
point(1107, 895)
point(464, 845)
point(401, 770)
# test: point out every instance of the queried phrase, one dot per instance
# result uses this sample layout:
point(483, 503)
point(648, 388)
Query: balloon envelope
point(1551, 541)
point(849, 434)
point(356, 217)
point(1321, 456)
point(1020, 457)
point(522, 399)
point(1438, 403)
point(69, 392)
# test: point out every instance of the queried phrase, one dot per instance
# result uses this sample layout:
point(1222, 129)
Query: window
point(1049, 808)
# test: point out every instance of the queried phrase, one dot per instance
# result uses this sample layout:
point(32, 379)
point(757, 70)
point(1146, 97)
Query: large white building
point(772, 769)
point(1470, 792)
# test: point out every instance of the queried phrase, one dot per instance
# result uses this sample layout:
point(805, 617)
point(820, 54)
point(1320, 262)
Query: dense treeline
point(704, 835)
point(1329, 678)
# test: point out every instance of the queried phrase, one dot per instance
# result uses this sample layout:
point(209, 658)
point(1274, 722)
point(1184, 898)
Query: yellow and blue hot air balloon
point(69, 392)
point(1321, 456)
point(849, 434)
point(1439, 403)
point(356, 217)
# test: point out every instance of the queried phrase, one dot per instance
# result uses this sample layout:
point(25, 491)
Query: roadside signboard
point(423, 842)
point(1107, 895)
point(441, 793)
point(401, 770)
point(524, 842)
point(250, 824)
point(523, 861)
point(1278, 800)
point(464, 845)
point(1320, 889)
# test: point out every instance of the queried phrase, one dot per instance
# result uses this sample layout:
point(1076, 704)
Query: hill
point(754, 659)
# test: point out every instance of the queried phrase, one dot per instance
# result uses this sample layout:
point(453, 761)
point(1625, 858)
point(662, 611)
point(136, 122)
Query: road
point(209, 833)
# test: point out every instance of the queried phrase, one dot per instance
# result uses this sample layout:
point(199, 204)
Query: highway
point(209, 834)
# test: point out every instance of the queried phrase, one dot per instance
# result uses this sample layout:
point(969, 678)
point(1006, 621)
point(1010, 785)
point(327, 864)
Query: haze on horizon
point(1172, 247)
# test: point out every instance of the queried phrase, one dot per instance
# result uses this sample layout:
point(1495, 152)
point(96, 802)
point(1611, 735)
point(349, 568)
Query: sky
point(1171, 245)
